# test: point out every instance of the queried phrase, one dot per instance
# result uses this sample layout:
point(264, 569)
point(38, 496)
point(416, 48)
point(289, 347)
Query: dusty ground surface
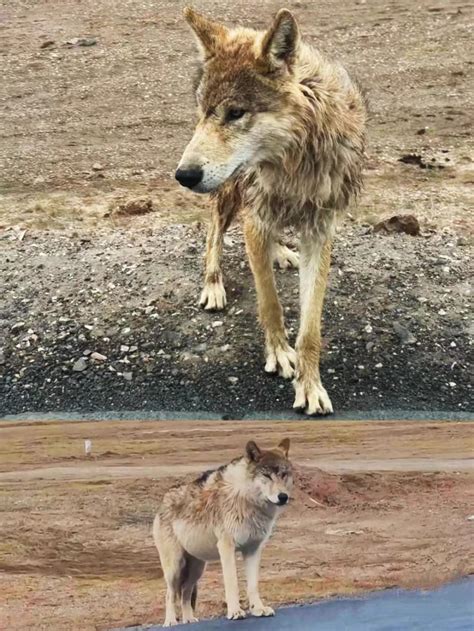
point(75, 534)
point(87, 128)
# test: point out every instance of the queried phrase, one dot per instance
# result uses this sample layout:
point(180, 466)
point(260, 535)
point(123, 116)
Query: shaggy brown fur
point(281, 136)
point(228, 510)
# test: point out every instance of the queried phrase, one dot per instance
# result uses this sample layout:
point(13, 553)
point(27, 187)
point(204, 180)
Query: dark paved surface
point(450, 608)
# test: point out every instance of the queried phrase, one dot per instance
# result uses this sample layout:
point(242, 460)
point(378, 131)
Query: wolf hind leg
point(190, 576)
point(172, 557)
point(284, 257)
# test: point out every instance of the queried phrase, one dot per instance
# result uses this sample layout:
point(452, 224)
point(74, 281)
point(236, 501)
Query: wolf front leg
point(226, 547)
point(213, 296)
point(252, 567)
point(315, 258)
point(260, 244)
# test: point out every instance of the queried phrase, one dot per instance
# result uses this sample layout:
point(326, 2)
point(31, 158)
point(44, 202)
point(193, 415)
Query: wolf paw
point(236, 614)
point(262, 611)
point(284, 257)
point(213, 297)
point(171, 622)
point(312, 398)
point(280, 358)
point(190, 620)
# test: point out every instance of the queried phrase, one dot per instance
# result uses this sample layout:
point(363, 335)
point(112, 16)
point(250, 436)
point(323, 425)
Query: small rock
point(470, 518)
point(379, 365)
point(225, 348)
point(406, 337)
point(233, 380)
point(128, 376)
point(98, 357)
point(47, 44)
point(87, 352)
point(17, 327)
point(135, 207)
point(97, 167)
point(408, 224)
point(2, 357)
point(124, 348)
point(422, 131)
point(368, 328)
point(80, 364)
point(133, 349)
point(149, 310)
point(82, 41)
point(217, 323)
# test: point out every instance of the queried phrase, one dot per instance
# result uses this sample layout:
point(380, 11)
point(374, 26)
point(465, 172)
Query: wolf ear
point(252, 451)
point(281, 41)
point(284, 446)
point(207, 32)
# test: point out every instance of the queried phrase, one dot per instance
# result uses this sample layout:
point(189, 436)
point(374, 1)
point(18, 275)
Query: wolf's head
point(270, 472)
point(243, 80)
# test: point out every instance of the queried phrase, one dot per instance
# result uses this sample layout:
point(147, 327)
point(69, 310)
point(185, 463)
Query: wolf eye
point(268, 475)
point(234, 114)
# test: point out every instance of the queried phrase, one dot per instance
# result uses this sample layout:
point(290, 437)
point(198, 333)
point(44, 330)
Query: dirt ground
point(76, 550)
point(88, 128)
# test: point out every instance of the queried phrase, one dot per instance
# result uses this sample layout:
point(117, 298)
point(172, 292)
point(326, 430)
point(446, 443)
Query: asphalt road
point(450, 608)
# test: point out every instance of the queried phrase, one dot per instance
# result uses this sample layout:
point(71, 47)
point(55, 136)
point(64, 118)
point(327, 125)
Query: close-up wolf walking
point(280, 136)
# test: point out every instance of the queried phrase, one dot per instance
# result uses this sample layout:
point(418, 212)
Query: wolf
point(280, 137)
point(224, 511)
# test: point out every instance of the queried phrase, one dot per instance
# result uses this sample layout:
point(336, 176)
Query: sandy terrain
point(75, 545)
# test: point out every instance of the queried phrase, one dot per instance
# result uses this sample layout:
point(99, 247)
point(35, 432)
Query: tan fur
point(280, 136)
point(232, 509)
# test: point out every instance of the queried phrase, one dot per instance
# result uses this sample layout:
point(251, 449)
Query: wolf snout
point(282, 499)
point(189, 177)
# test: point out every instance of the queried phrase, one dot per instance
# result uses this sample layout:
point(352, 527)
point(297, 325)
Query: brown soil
point(75, 534)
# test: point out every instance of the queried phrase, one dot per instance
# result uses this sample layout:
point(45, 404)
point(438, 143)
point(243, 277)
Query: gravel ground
point(110, 322)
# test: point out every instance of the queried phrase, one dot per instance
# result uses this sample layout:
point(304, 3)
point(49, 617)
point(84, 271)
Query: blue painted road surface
point(450, 608)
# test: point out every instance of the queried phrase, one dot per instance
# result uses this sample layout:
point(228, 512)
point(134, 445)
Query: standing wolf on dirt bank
point(281, 136)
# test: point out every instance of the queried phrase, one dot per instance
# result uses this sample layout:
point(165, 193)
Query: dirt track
point(75, 545)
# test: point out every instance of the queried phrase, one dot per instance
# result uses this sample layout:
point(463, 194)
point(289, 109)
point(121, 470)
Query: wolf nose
point(282, 498)
point(189, 177)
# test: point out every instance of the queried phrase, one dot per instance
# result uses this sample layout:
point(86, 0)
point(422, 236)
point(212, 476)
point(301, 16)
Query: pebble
point(98, 357)
point(217, 323)
point(124, 348)
point(233, 380)
point(128, 376)
point(406, 337)
point(368, 328)
point(80, 364)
